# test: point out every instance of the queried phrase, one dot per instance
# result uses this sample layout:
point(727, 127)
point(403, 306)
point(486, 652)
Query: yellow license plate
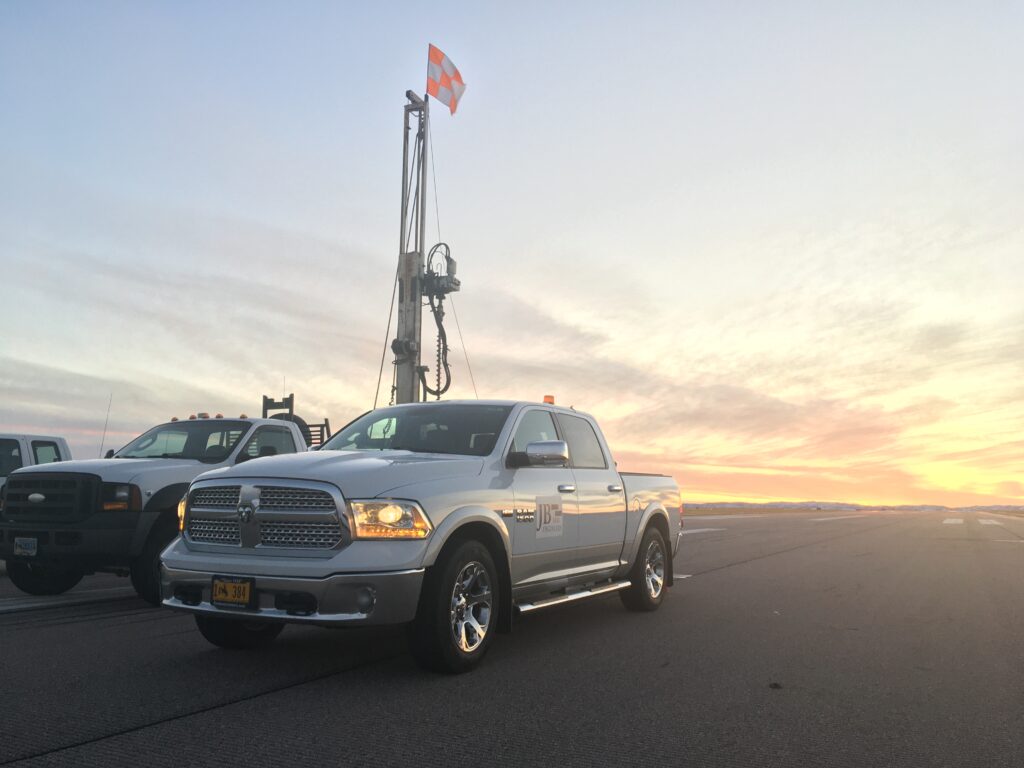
point(231, 591)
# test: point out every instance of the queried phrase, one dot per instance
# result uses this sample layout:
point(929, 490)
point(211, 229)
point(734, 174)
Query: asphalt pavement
point(877, 639)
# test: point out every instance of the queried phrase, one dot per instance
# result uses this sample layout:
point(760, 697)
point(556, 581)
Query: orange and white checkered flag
point(444, 82)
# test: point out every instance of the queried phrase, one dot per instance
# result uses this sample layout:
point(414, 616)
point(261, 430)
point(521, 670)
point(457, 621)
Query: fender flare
point(459, 518)
point(651, 511)
point(164, 499)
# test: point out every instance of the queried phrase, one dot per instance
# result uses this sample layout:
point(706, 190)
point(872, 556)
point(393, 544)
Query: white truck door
point(602, 501)
point(546, 533)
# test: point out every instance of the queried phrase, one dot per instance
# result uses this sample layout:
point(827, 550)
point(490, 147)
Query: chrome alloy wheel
point(471, 607)
point(654, 569)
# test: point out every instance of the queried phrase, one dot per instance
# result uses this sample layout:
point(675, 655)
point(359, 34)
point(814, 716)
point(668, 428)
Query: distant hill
point(837, 506)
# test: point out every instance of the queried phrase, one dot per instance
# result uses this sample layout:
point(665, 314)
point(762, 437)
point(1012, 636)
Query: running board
point(560, 599)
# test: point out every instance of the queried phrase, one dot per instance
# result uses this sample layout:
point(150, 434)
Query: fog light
point(365, 599)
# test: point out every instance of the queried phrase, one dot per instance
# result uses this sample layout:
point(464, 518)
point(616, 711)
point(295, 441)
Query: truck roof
point(29, 435)
point(511, 403)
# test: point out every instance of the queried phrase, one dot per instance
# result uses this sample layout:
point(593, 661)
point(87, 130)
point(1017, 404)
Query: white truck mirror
point(548, 453)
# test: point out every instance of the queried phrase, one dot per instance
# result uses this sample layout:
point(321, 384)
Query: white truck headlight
point(388, 519)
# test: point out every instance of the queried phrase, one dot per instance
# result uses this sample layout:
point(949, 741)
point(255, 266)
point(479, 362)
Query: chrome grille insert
point(205, 531)
point(301, 535)
point(274, 498)
point(220, 496)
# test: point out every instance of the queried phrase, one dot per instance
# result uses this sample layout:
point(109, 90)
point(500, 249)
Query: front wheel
point(237, 633)
point(647, 589)
point(145, 570)
point(458, 611)
point(36, 579)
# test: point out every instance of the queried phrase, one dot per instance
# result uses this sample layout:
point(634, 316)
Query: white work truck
point(452, 516)
point(60, 521)
point(17, 451)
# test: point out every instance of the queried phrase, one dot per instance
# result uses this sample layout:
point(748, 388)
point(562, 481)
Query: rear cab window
point(270, 441)
point(584, 448)
point(45, 452)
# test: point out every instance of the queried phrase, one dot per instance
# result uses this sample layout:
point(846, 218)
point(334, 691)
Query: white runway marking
point(840, 517)
point(701, 530)
point(718, 517)
point(1009, 541)
point(682, 575)
point(953, 521)
point(988, 521)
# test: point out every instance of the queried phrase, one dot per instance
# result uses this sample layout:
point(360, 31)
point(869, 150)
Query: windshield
point(206, 440)
point(468, 430)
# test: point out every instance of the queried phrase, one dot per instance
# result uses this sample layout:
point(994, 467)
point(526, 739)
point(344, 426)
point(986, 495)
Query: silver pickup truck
point(452, 516)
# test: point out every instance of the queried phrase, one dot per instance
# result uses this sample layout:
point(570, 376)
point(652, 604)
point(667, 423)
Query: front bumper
point(348, 599)
point(93, 543)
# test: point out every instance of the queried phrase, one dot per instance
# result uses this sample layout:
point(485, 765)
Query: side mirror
point(547, 453)
point(109, 454)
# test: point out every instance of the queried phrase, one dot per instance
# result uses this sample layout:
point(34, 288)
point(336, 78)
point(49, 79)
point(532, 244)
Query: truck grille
point(305, 499)
point(65, 497)
point(204, 531)
point(217, 497)
point(300, 535)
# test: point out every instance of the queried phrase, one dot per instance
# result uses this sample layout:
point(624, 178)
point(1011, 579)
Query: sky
point(776, 249)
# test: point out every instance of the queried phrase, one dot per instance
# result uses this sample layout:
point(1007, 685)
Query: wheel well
point(490, 538)
point(659, 522)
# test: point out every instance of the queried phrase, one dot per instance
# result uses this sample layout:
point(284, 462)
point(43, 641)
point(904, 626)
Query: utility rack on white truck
point(450, 515)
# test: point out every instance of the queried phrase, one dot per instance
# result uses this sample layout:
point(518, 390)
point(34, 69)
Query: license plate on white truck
point(26, 546)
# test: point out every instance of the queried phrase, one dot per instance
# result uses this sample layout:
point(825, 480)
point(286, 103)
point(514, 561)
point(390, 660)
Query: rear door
point(546, 535)
point(602, 501)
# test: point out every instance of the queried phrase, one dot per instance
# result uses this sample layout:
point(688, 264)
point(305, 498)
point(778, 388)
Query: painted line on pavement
point(840, 517)
point(988, 521)
point(15, 604)
point(1009, 541)
point(694, 516)
point(682, 575)
point(701, 530)
point(953, 521)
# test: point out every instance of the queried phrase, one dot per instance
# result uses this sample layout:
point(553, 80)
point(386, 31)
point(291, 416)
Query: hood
point(139, 471)
point(358, 474)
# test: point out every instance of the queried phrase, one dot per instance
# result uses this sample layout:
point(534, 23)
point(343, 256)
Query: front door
point(546, 530)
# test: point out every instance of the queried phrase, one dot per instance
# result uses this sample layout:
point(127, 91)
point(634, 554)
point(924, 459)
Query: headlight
point(121, 498)
point(181, 514)
point(388, 519)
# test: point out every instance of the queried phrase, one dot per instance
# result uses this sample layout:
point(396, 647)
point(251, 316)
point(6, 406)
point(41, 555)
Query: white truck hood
point(150, 474)
point(358, 474)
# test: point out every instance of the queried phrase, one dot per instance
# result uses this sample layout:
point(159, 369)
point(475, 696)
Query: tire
point(145, 570)
point(237, 634)
point(457, 616)
point(648, 574)
point(36, 579)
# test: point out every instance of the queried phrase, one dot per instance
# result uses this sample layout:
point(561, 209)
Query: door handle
point(614, 489)
point(568, 488)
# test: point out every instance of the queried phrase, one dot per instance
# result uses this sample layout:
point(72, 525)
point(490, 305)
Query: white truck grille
point(217, 497)
point(205, 531)
point(305, 499)
point(301, 535)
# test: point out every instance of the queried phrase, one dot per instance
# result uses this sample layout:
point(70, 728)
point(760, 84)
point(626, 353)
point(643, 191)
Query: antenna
point(106, 420)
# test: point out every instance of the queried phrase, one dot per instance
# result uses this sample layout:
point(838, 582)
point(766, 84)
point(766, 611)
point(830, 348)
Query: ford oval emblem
point(36, 498)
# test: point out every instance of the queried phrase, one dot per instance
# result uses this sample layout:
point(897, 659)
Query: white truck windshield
point(468, 430)
point(202, 440)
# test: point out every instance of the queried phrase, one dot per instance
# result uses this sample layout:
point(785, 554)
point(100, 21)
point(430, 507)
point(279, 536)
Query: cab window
point(45, 451)
point(10, 456)
point(269, 441)
point(534, 427)
point(584, 447)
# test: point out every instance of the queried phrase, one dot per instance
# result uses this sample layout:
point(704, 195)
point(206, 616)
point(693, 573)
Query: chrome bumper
point(339, 600)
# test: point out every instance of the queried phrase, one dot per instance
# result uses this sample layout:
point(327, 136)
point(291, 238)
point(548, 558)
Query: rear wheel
point(236, 633)
point(145, 570)
point(36, 579)
point(458, 611)
point(647, 589)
